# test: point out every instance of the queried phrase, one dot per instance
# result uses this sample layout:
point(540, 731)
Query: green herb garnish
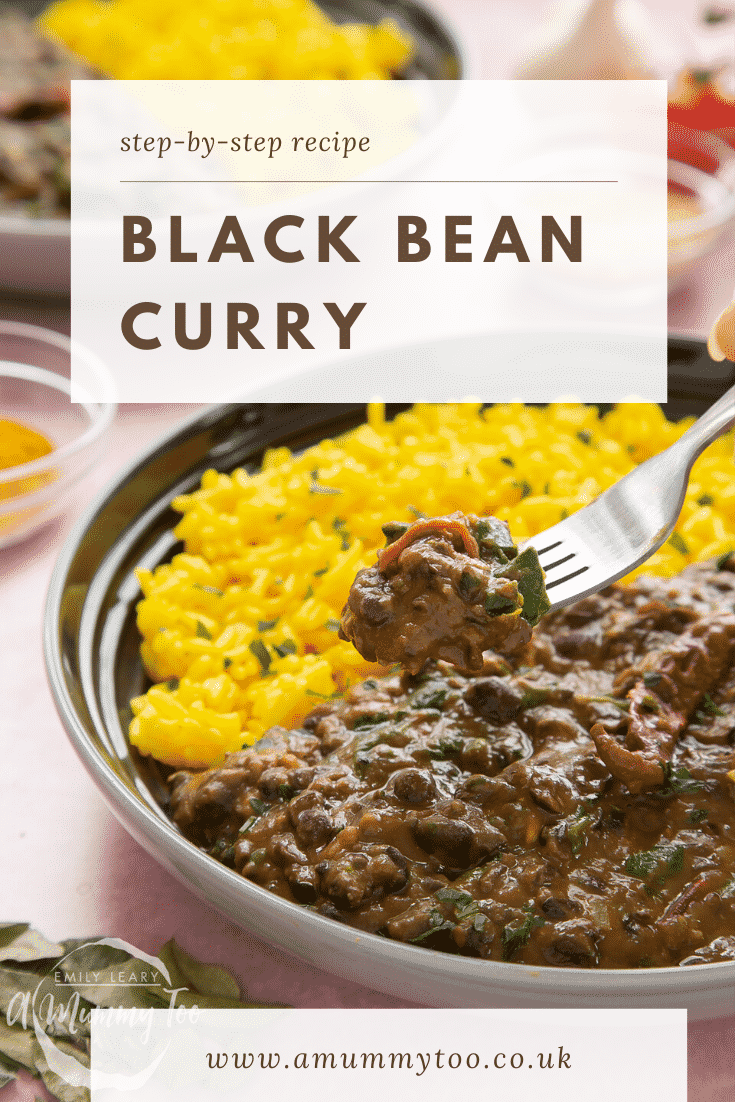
point(678, 543)
point(467, 583)
point(202, 632)
point(655, 865)
point(286, 647)
point(515, 937)
point(261, 652)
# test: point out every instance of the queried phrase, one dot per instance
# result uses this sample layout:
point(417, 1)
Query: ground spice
point(20, 444)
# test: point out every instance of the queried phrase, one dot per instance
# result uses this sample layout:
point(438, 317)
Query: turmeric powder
point(20, 444)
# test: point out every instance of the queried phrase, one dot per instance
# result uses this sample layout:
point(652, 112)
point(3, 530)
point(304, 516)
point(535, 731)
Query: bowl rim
point(209, 879)
point(99, 424)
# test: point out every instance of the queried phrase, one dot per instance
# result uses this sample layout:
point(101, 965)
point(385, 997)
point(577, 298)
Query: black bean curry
point(448, 588)
point(572, 805)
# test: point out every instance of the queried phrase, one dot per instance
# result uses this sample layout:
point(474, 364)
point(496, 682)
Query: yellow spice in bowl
point(240, 630)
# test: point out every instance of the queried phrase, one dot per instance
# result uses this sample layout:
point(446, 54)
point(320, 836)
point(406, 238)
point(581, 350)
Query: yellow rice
point(240, 629)
point(224, 40)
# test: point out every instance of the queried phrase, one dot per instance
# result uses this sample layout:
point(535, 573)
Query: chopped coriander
point(309, 593)
point(393, 530)
point(497, 603)
point(432, 698)
point(467, 583)
point(523, 486)
point(678, 782)
point(698, 815)
point(532, 697)
point(259, 649)
point(316, 488)
point(705, 499)
point(266, 625)
point(584, 436)
point(650, 704)
point(331, 625)
point(437, 922)
point(258, 806)
point(172, 684)
point(370, 720)
point(507, 460)
point(286, 647)
point(655, 865)
point(202, 632)
point(515, 937)
point(226, 663)
point(709, 706)
point(208, 589)
point(678, 543)
point(319, 573)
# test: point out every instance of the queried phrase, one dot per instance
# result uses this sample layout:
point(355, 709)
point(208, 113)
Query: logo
point(124, 987)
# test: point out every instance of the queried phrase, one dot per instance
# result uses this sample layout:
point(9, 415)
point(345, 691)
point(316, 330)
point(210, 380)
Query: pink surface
point(66, 865)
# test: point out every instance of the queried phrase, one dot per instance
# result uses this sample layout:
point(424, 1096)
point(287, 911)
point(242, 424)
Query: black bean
point(302, 882)
point(313, 827)
point(451, 840)
point(495, 699)
point(415, 786)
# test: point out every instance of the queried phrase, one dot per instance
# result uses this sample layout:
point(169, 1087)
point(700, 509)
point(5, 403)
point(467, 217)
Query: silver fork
point(624, 526)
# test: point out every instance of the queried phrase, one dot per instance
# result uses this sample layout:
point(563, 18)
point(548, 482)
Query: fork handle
point(716, 420)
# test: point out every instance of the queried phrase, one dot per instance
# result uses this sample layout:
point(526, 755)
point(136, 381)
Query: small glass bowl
point(35, 387)
point(701, 199)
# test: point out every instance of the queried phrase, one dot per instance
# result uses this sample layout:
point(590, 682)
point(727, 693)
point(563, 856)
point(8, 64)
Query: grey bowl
point(91, 648)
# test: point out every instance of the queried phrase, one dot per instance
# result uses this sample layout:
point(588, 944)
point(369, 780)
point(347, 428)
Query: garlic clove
point(597, 40)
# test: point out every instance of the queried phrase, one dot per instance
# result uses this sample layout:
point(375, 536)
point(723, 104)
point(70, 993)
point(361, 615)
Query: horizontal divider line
point(358, 181)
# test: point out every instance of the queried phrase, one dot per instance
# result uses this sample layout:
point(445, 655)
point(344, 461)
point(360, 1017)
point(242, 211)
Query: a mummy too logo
point(101, 983)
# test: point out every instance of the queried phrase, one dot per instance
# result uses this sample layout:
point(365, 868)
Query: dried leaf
point(64, 1091)
point(9, 931)
point(16, 1045)
point(5, 1077)
point(28, 945)
point(206, 979)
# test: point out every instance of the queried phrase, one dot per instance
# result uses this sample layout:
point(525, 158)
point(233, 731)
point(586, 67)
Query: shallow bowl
point(35, 369)
point(91, 647)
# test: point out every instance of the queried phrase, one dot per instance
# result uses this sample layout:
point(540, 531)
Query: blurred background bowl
point(701, 199)
point(36, 252)
point(35, 372)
